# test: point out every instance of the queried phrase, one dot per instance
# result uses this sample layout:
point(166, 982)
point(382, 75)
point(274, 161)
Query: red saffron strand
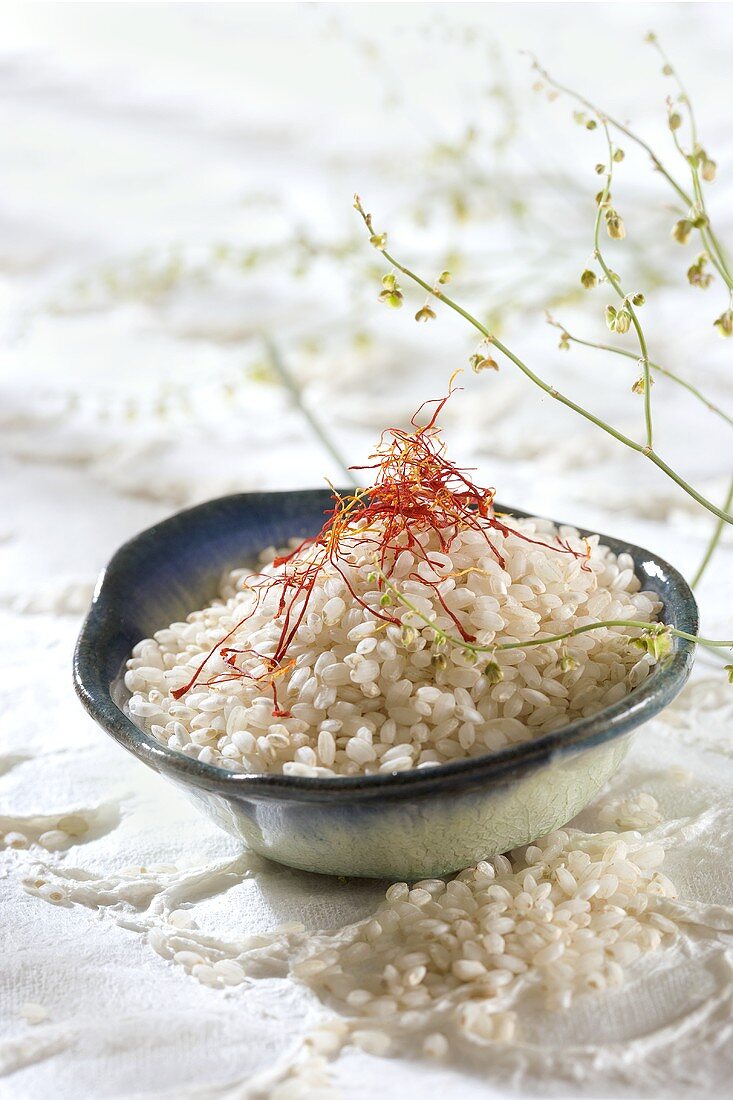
point(416, 492)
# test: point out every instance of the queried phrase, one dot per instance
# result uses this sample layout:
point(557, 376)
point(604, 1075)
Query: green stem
point(712, 545)
point(717, 255)
point(655, 367)
point(617, 126)
point(637, 624)
point(614, 282)
point(287, 380)
point(711, 242)
point(713, 248)
point(651, 455)
point(654, 41)
point(648, 628)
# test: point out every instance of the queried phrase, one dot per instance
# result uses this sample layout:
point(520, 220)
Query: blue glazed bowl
point(410, 825)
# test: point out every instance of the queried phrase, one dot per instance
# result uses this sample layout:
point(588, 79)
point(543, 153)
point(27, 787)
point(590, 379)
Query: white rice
point(364, 696)
point(567, 915)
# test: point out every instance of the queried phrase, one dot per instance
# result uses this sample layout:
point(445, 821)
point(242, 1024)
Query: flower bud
point(591, 124)
point(729, 670)
point(439, 662)
point(618, 155)
point(638, 300)
point(610, 315)
point(444, 277)
point(409, 634)
point(389, 282)
point(600, 169)
point(588, 279)
point(675, 121)
point(639, 385)
point(385, 600)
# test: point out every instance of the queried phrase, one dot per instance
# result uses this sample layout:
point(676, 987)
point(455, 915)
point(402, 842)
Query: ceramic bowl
point(405, 826)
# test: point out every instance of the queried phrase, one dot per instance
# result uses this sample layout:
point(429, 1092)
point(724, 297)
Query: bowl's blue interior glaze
point(161, 575)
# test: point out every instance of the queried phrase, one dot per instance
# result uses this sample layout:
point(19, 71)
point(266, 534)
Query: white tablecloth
point(146, 151)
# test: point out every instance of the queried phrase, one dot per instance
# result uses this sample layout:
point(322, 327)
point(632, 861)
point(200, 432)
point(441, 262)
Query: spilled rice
point(438, 961)
point(567, 915)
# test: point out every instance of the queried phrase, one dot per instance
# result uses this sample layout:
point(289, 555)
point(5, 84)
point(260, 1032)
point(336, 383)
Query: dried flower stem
point(627, 304)
point(475, 648)
point(656, 367)
point(712, 245)
point(712, 545)
point(551, 391)
point(287, 380)
point(709, 238)
point(671, 71)
point(647, 628)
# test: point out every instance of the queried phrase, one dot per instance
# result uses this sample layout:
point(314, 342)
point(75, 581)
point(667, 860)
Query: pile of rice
point(566, 915)
point(364, 696)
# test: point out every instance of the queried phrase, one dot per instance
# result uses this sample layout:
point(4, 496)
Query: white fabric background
point(136, 141)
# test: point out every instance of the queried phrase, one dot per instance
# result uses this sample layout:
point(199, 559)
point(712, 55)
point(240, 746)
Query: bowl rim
point(607, 724)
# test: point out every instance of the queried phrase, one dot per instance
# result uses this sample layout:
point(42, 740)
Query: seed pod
point(709, 169)
point(724, 323)
point(391, 298)
point(615, 227)
point(493, 673)
point(623, 321)
point(681, 230)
